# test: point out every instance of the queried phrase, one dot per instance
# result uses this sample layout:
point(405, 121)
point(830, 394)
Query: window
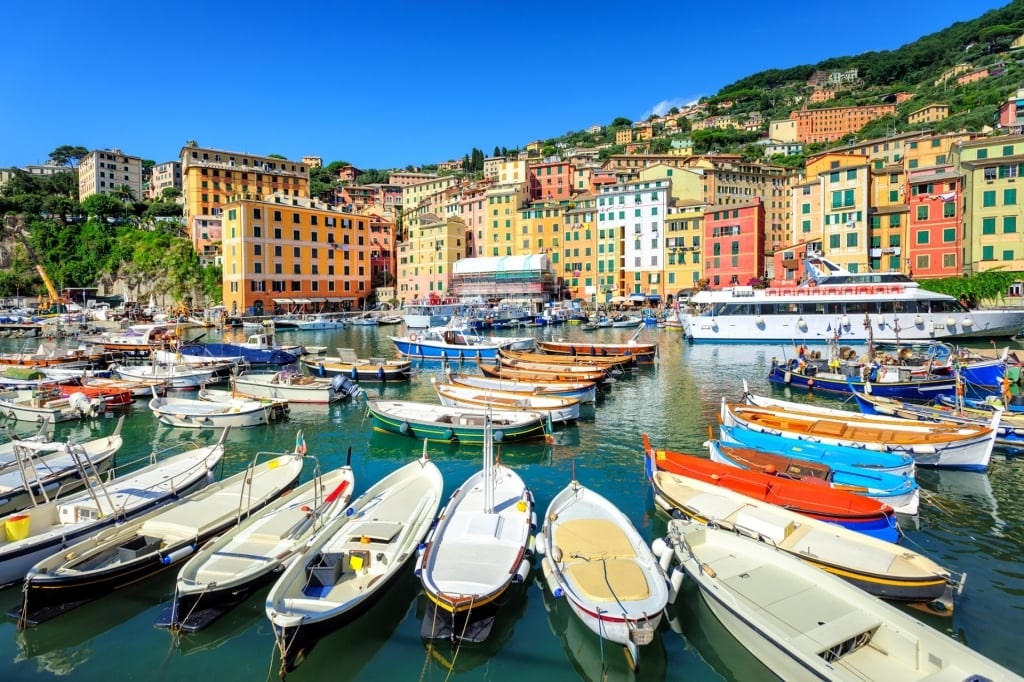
point(949, 235)
point(988, 252)
point(922, 236)
point(851, 239)
point(1009, 224)
point(988, 225)
point(851, 174)
point(1009, 197)
point(983, 154)
point(988, 198)
point(922, 263)
point(1008, 150)
point(833, 241)
point(949, 260)
point(1008, 254)
point(948, 209)
point(277, 216)
point(922, 212)
point(894, 196)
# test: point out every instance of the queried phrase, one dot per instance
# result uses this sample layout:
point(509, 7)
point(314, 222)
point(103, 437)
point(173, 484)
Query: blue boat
point(456, 344)
point(899, 491)
point(891, 382)
point(259, 350)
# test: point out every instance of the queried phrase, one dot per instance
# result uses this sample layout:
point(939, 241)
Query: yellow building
point(538, 228)
point(426, 257)
point(286, 251)
point(889, 217)
point(624, 136)
point(929, 114)
point(684, 234)
point(687, 183)
point(991, 169)
point(424, 197)
point(845, 184)
point(580, 234)
point(211, 178)
point(502, 213)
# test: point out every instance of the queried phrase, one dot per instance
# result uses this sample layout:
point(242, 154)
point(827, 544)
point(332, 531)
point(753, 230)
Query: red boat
point(112, 397)
point(855, 512)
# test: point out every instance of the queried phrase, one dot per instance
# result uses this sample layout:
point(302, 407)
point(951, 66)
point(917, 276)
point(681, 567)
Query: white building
point(104, 170)
point(637, 210)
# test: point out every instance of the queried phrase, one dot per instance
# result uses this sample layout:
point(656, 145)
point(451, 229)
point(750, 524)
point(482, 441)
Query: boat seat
point(276, 528)
point(225, 565)
point(838, 630)
point(592, 538)
point(347, 355)
point(609, 579)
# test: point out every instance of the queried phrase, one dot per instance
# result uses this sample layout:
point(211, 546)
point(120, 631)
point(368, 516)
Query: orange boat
point(112, 397)
point(814, 499)
point(608, 362)
point(643, 352)
point(599, 376)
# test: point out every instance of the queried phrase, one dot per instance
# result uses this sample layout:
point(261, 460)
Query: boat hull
point(363, 372)
point(788, 374)
point(642, 353)
point(468, 434)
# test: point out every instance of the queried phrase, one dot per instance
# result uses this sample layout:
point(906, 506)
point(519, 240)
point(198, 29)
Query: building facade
point(102, 171)
point(166, 175)
point(734, 239)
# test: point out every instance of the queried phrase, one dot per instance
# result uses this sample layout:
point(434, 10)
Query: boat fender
point(168, 559)
point(531, 545)
point(556, 554)
point(663, 552)
point(320, 369)
point(404, 427)
point(449, 434)
point(923, 449)
point(675, 579)
point(380, 374)
point(787, 377)
point(354, 374)
point(538, 541)
point(413, 337)
point(533, 520)
point(499, 436)
point(524, 571)
point(461, 357)
point(810, 383)
point(444, 355)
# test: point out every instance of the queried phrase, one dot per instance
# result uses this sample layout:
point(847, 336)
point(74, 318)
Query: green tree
point(620, 122)
point(102, 206)
point(170, 193)
point(67, 155)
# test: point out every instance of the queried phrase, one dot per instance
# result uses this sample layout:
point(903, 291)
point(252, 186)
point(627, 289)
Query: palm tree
point(125, 194)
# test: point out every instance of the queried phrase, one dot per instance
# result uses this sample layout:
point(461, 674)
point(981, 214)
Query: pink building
point(349, 173)
point(733, 244)
point(550, 180)
point(788, 263)
point(934, 242)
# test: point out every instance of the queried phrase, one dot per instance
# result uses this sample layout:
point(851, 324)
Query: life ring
point(413, 337)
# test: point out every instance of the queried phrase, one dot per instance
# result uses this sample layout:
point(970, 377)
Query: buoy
point(810, 383)
point(380, 374)
point(450, 434)
point(499, 436)
point(168, 559)
point(967, 323)
point(413, 337)
point(404, 427)
point(523, 572)
point(951, 322)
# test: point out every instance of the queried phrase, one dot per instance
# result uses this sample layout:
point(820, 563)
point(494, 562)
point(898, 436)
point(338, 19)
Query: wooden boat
point(45, 470)
point(347, 565)
point(805, 624)
point(155, 542)
point(140, 388)
point(941, 445)
point(584, 391)
point(595, 558)
point(559, 368)
point(643, 352)
point(210, 414)
point(177, 377)
point(360, 369)
point(455, 424)
point(783, 488)
point(111, 397)
point(607, 363)
point(826, 464)
point(480, 547)
point(57, 523)
point(222, 574)
point(294, 387)
point(48, 403)
point(555, 408)
point(499, 371)
point(890, 381)
point(881, 568)
point(47, 354)
point(139, 340)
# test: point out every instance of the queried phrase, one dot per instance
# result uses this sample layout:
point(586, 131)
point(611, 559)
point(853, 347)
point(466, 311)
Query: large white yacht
point(831, 301)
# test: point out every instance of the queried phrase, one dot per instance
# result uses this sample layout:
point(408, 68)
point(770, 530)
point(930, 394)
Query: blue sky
point(391, 84)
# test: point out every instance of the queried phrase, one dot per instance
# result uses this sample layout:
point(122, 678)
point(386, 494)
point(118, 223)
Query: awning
point(653, 297)
point(637, 297)
point(617, 299)
point(318, 300)
point(301, 301)
point(281, 300)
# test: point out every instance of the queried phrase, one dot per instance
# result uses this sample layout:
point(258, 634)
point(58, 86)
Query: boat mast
point(488, 477)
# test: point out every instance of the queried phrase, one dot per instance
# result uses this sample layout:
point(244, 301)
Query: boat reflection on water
point(61, 647)
point(460, 658)
point(596, 659)
point(243, 619)
point(389, 446)
point(692, 618)
point(965, 494)
point(360, 638)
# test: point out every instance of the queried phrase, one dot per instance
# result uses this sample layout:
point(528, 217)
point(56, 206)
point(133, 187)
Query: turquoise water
point(968, 522)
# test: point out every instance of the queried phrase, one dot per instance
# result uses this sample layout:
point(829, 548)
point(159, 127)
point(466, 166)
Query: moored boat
point(294, 387)
point(644, 352)
point(609, 362)
point(47, 403)
point(597, 561)
point(259, 350)
point(500, 371)
point(176, 377)
point(455, 344)
point(584, 391)
point(890, 381)
point(363, 370)
point(235, 412)
point(805, 624)
point(785, 489)
point(152, 543)
point(557, 409)
point(455, 424)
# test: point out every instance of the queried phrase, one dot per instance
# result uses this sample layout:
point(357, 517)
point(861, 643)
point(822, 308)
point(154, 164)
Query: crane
point(58, 304)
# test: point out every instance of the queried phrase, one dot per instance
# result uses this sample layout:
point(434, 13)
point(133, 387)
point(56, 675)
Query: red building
point(935, 242)
point(789, 263)
point(550, 181)
point(734, 244)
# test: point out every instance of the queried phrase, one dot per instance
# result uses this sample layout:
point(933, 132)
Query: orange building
point(828, 125)
point(550, 180)
point(288, 252)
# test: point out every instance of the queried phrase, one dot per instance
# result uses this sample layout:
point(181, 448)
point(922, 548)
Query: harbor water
point(969, 522)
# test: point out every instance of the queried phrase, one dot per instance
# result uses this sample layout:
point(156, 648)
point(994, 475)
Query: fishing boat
point(557, 409)
point(643, 352)
point(318, 322)
point(173, 357)
point(581, 369)
point(216, 414)
point(54, 525)
point(833, 466)
point(347, 565)
point(176, 377)
point(456, 343)
point(596, 559)
point(954, 446)
point(584, 391)
point(606, 362)
point(222, 574)
point(47, 403)
point(347, 363)
point(111, 397)
point(479, 549)
point(896, 382)
point(805, 624)
point(48, 354)
point(44, 436)
point(446, 424)
point(881, 568)
point(294, 387)
point(139, 388)
point(155, 542)
point(42, 471)
point(363, 321)
point(895, 308)
point(502, 372)
point(138, 340)
point(259, 350)
point(783, 488)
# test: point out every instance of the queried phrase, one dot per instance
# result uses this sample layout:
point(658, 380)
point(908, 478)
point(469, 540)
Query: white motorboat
point(295, 387)
point(223, 573)
point(169, 357)
point(805, 624)
point(176, 377)
point(584, 391)
point(318, 322)
point(558, 409)
point(354, 557)
point(596, 559)
point(46, 402)
point(479, 549)
point(146, 545)
point(834, 300)
point(209, 414)
point(57, 523)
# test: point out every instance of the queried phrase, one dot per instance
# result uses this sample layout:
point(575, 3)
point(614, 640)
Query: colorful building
point(636, 211)
point(426, 256)
point(733, 246)
point(888, 218)
point(285, 251)
point(550, 180)
point(102, 171)
point(828, 125)
point(934, 242)
point(588, 263)
point(503, 204)
point(684, 232)
point(932, 113)
point(165, 175)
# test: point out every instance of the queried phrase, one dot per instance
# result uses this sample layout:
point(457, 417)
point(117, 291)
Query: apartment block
point(102, 171)
point(888, 217)
point(503, 204)
point(284, 251)
point(636, 211)
point(426, 257)
point(590, 270)
point(684, 236)
point(406, 178)
point(935, 240)
point(734, 239)
point(166, 175)
point(550, 180)
point(828, 125)
point(211, 178)
point(931, 113)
